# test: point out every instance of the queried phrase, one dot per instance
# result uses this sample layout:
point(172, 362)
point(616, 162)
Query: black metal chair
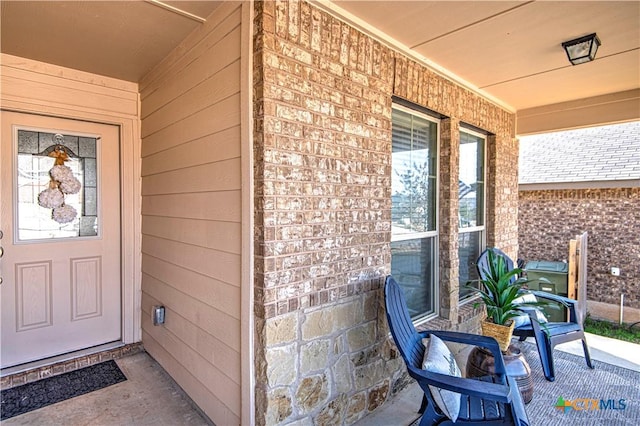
point(549, 334)
point(493, 400)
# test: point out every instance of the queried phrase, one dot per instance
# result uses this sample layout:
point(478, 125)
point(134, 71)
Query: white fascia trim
point(591, 184)
point(177, 11)
point(349, 18)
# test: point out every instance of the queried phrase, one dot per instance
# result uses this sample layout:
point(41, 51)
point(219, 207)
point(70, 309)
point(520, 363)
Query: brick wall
point(548, 219)
point(322, 107)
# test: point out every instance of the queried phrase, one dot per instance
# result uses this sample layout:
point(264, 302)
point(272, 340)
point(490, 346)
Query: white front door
point(60, 270)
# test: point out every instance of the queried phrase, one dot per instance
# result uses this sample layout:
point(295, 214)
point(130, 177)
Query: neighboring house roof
point(608, 154)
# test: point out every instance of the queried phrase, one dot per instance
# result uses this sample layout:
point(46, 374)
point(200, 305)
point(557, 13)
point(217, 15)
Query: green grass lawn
point(613, 330)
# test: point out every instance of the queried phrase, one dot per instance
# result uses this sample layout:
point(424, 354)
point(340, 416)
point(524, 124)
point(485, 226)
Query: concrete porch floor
point(150, 397)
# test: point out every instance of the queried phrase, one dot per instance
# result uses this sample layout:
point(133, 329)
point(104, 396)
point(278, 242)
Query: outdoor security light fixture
point(582, 49)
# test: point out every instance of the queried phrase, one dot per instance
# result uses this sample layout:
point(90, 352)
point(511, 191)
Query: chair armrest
point(469, 339)
point(569, 303)
point(556, 298)
point(486, 390)
point(424, 334)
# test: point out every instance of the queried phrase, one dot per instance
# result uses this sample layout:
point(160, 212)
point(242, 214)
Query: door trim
point(20, 94)
point(247, 324)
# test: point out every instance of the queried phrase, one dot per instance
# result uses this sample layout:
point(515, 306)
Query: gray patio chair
point(550, 334)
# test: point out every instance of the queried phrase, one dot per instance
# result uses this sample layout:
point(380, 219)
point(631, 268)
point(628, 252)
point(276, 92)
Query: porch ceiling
point(119, 39)
point(509, 51)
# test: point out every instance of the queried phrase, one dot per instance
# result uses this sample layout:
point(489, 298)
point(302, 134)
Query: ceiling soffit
point(511, 51)
point(122, 40)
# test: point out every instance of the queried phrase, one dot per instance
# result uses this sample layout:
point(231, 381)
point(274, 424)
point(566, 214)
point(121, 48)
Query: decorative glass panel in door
point(57, 186)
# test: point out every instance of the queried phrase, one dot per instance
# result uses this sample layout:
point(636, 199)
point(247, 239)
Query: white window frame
point(435, 234)
point(483, 227)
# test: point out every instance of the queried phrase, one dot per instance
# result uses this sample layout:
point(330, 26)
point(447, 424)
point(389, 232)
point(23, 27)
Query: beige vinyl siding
point(192, 211)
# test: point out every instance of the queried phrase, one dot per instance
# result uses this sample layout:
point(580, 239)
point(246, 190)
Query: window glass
point(470, 245)
point(414, 163)
point(471, 195)
point(471, 181)
point(57, 186)
point(413, 266)
point(414, 205)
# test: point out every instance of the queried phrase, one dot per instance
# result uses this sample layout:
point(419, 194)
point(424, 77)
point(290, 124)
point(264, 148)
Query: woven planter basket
point(502, 333)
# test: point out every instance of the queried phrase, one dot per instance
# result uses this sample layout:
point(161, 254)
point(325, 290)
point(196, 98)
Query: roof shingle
point(594, 154)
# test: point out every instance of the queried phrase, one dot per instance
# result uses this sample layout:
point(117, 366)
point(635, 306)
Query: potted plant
point(499, 292)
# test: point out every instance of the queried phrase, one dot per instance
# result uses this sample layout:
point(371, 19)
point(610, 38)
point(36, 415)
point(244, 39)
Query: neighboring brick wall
point(548, 219)
point(322, 108)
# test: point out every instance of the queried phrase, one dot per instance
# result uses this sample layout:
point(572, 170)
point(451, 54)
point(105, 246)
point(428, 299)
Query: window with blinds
point(414, 191)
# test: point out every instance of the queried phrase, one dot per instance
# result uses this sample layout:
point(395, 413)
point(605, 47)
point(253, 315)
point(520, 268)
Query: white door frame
point(77, 95)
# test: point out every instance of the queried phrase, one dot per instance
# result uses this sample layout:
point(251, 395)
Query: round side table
point(481, 363)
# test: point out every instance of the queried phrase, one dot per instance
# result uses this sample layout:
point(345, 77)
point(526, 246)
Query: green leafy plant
point(500, 289)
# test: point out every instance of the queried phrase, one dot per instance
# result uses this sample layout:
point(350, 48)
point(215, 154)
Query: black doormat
point(25, 398)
